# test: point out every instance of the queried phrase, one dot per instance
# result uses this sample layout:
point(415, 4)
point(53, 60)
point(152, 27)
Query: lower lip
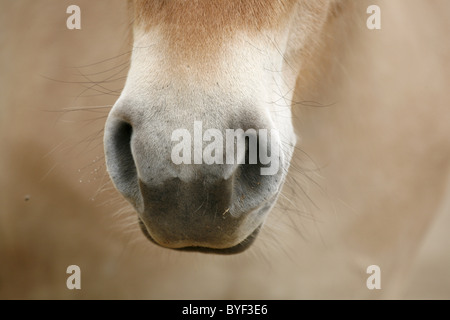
point(240, 247)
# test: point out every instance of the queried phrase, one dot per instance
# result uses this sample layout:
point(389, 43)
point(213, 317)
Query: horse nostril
point(121, 139)
point(119, 157)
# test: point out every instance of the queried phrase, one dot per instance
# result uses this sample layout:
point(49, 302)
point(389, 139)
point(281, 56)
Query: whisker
point(127, 63)
point(82, 82)
point(103, 61)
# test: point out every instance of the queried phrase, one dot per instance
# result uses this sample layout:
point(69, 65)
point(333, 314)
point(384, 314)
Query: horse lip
point(238, 248)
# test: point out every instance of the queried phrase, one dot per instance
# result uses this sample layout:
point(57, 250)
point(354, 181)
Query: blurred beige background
point(58, 208)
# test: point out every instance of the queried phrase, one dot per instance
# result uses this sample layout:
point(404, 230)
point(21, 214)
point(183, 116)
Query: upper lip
point(238, 248)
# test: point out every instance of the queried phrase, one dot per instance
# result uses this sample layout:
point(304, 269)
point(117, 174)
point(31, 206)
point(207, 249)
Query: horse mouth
point(240, 247)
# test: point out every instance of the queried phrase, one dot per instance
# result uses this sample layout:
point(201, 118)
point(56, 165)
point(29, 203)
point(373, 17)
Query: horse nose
point(198, 204)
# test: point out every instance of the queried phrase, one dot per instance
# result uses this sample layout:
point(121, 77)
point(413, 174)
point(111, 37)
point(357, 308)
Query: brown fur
point(196, 32)
point(213, 17)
